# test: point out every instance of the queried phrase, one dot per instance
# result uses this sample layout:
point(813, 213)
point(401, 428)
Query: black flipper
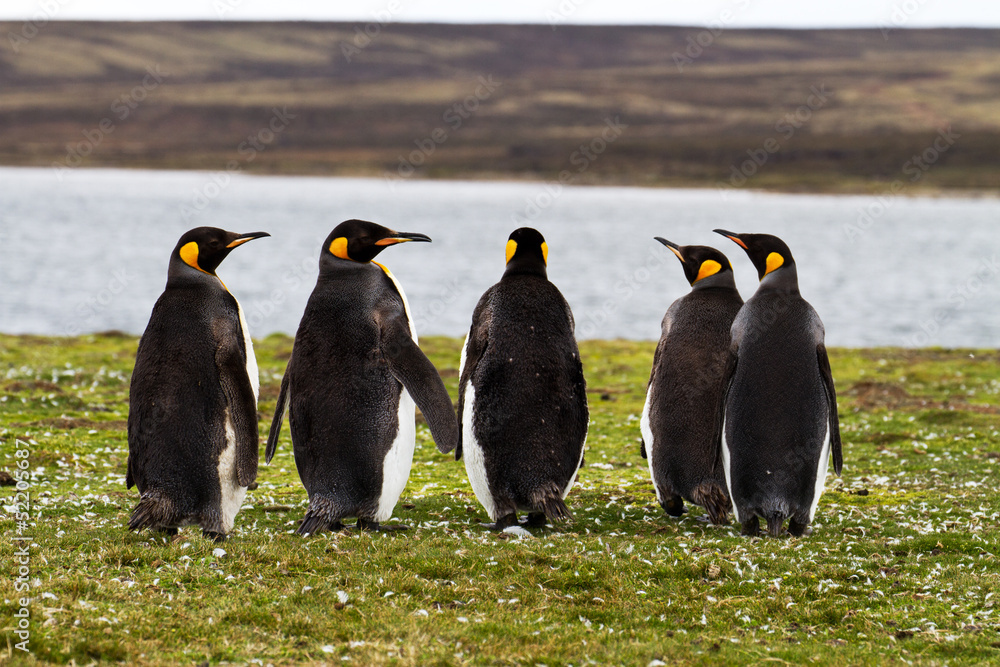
point(414, 370)
point(276, 421)
point(831, 397)
point(129, 481)
point(475, 346)
point(139, 413)
point(231, 361)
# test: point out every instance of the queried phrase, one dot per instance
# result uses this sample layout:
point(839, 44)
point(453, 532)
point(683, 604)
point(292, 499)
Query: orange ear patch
point(189, 253)
point(338, 248)
point(773, 261)
point(511, 249)
point(708, 268)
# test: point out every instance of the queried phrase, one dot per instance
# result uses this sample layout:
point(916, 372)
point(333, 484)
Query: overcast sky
point(729, 13)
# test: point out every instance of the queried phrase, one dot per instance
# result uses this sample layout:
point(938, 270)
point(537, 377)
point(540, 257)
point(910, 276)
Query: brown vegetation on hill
point(838, 110)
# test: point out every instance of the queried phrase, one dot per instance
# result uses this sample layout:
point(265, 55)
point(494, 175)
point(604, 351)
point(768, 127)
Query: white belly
point(572, 480)
point(397, 462)
point(232, 492)
point(824, 461)
point(647, 438)
point(472, 453)
point(725, 466)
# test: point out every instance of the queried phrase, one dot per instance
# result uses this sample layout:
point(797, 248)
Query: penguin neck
point(724, 280)
point(334, 266)
point(529, 266)
point(784, 280)
point(180, 274)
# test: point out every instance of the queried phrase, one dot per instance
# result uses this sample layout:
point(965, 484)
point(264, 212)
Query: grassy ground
point(901, 566)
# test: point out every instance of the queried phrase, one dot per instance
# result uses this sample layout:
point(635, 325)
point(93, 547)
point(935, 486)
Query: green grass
point(901, 566)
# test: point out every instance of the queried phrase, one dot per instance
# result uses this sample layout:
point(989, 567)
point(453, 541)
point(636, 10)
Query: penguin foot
point(375, 526)
point(536, 520)
point(168, 532)
point(312, 525)
point(674, 506)
point(751, 527)
point(214, 536)
point(505, 521)
point(797, 528)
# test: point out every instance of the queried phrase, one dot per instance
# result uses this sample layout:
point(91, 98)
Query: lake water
point(87, 250)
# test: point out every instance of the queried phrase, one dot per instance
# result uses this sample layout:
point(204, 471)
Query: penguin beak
point(403, 237)
point(673, 247)
point(732, 236)
point(243, 238)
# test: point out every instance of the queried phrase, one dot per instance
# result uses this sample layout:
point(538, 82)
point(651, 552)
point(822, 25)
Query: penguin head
point(527, 252)
point(768, 253)
point(361, 241)
point(203, 249)
point(700, 261)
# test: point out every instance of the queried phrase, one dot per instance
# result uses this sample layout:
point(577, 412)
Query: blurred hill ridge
point(830, 110)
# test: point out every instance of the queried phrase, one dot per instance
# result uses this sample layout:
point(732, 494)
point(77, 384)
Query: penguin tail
point(154, 510)
point(775, 520)
point(714, 499)
point(323, 513)
point(549, 501)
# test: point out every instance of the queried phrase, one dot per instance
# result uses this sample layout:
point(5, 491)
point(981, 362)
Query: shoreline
point(870, 190)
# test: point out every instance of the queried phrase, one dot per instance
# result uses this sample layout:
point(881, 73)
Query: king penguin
point(780, 423)
point(682, 403)
point(192, 421)
point(522, 396)
point(351, 383)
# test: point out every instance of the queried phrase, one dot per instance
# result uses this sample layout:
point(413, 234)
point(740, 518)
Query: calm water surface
point(89, 252)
